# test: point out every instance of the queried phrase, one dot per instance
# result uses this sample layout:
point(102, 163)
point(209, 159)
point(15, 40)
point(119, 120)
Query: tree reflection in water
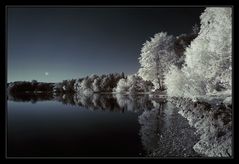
point(165, 133)
point(156, 118)
point(167, 128)
point(107, 102)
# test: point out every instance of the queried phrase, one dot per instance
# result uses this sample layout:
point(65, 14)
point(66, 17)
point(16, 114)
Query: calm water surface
point(97, 126)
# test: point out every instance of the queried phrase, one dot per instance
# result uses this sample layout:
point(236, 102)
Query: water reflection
point(167, 129)
point(107, 102)
point(32, 97)
point(165, 134)
point(159, 121)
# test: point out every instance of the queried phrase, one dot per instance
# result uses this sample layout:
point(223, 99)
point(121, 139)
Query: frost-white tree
point(122, 86)
point(95, 83)
point(175, 82)
point(208, 63)
point(156, 57)
point(133, 84)
point(209, 57)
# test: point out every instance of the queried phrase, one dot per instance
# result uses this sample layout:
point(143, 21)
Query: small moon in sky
point(46, 73)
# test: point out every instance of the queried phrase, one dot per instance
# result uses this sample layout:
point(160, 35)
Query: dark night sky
point(75, 42)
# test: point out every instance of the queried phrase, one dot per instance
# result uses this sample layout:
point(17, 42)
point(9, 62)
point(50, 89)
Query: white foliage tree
point(209, 57)
point(133, 84)
point(208, 62)
point(156, 57)
point(122, 86)
point(175, 82)
point(95, 83)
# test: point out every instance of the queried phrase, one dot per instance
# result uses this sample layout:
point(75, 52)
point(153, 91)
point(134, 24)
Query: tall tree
point(156, 57)
point(208, 63)
point(209, 57)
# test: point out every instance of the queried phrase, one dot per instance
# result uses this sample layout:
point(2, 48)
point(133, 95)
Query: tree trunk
point(160, 85)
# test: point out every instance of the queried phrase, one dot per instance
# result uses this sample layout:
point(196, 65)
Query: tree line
point(189, 65)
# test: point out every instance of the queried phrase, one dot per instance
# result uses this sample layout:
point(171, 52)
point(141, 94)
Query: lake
point(99, 125)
